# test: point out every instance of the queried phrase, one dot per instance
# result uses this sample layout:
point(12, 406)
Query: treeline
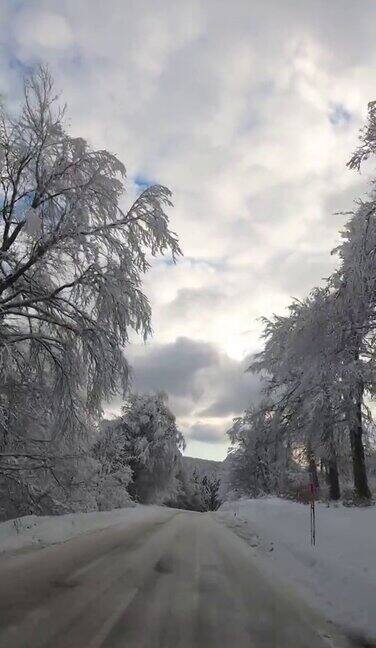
point(196, 492)
point(318, 372)
point(133, 458)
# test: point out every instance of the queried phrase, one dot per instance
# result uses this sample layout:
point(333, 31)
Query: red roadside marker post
point(312, 490)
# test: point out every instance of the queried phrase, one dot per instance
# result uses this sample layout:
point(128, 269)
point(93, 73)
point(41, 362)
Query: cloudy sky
point(248, 111)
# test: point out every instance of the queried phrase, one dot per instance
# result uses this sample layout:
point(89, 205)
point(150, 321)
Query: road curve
point(178, 580)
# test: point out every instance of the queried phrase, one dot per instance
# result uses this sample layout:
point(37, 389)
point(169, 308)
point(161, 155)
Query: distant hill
point(202, 466)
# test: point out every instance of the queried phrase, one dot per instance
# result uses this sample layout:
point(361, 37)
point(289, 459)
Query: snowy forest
point(73, 259)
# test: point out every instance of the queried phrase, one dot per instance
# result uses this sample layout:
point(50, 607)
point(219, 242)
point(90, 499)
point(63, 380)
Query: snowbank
point(43, 530)
point(337, 576)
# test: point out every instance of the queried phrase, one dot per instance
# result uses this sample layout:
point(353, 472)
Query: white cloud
point(231, 106)
point(42, 29)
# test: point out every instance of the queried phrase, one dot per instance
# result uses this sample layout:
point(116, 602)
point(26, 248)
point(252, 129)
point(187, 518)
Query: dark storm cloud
point(200, 380)
point(172, 367)
point(234, 389)
point(206, 433)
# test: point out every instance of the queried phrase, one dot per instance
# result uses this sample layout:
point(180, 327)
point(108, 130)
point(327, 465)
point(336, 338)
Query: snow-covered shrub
point(112, 491)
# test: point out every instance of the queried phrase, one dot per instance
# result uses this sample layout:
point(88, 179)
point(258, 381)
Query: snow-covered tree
point(300, 366)
point(114, 472)
point(355, 287)
point(355, 362)
point(72, 258)
point(259, 453)
point(145, 443)
point(210, 485)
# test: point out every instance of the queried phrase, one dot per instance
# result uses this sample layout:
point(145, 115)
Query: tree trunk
point(333, 479)
point(357, 449)
point(288, 453)
point(331, 466)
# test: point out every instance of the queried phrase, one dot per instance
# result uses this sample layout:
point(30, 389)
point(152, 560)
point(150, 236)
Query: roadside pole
point(312, 490)
point(236, 504)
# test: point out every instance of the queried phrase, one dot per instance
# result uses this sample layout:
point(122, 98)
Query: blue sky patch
point(20, 67)
point(142, 182)
point(339, 115)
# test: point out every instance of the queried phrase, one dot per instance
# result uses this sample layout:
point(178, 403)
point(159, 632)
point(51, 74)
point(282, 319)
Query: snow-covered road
point(172, 580)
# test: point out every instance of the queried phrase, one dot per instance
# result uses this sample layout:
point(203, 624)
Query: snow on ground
point(34, 530)
point(337, 576)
